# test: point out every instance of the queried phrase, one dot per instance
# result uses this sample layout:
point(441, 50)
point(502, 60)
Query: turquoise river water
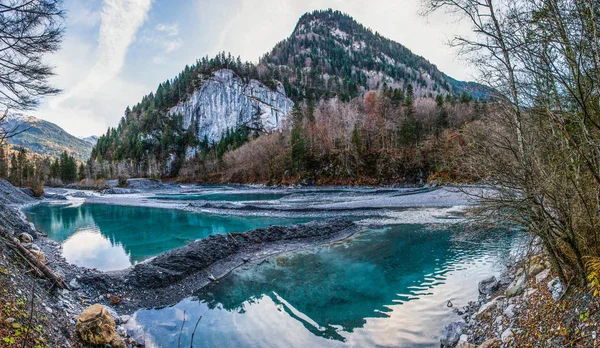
point(387, 286)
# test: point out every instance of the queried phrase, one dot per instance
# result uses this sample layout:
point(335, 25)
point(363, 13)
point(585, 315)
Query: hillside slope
point(329, 53)
point(219, 103)
point(45, 138)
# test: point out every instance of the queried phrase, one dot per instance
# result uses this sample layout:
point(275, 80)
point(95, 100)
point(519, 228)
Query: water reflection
point(134, 233)
point(387, 287)
point(89, 248)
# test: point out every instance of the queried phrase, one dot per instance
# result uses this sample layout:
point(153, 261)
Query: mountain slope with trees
point(329, 56)
point(45, 138)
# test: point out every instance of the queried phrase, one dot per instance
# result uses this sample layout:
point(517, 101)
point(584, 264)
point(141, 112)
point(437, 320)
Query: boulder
point(25, 238)
point(95, 325)
point(517, 286)
point(451, 333)
point(556, 289)
point(488, 285)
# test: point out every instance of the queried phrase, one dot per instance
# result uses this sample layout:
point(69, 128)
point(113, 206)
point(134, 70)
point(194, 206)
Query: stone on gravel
point(451, 333)
point(540, 277)
point(486, 309)
point(536, 269)
point(95, 325)
point(510, 311)
point(555, 287)
point(25, 238)
point(488, 285)
point(517, 286)
point(506, 335)
point(74, 284)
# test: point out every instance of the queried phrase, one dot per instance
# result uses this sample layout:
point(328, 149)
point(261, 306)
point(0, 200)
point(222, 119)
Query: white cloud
point(169, 29)
point(96, 94)
point(164, 39)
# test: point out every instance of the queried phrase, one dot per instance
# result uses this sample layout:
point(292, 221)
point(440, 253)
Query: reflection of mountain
point(143, 232)
point(341, 287)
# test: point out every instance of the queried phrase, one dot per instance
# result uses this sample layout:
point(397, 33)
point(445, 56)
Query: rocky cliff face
point(225, 101)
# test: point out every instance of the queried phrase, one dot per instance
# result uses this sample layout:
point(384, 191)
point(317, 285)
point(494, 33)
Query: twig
point(236, 242)
point(194, 332)
point(181, 331)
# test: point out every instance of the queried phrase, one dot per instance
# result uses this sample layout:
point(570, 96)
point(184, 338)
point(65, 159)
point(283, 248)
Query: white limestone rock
point(226, 102)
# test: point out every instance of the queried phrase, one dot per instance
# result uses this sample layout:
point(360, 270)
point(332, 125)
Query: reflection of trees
point(346, 285)
point(143, 232)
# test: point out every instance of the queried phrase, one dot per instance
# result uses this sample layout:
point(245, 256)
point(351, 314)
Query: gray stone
point(451, 333)
point(506, 335)
point(540, 277)
point(510, 311)
point(556, 289)
point(535, 269)
point(488, 285)
point(517, 286)
point(74, 284)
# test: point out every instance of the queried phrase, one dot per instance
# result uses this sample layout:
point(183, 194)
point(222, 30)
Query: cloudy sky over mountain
point(116, 51)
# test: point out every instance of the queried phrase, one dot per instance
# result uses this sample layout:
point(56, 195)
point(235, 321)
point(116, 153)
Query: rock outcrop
point(227, 102)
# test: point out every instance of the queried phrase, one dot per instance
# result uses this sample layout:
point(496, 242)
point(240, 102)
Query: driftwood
point(39, 268)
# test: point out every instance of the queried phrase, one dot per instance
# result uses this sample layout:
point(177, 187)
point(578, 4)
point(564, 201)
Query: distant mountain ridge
point(45, 138)
point(92, 139)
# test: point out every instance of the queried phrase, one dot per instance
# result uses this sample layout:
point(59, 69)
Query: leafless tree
point(540, 148)
point(29, 29)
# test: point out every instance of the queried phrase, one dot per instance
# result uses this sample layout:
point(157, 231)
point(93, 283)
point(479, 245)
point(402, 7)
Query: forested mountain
point(218, 104)
point(330, 54)
point(45, 138)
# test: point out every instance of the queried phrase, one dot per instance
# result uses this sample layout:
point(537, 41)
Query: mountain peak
point(342, 57)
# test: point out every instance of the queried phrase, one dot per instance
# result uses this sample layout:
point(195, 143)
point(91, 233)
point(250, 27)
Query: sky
point(116, 51)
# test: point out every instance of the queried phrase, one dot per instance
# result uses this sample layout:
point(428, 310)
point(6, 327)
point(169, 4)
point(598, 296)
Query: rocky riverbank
point(163, 280)
point(527, 307)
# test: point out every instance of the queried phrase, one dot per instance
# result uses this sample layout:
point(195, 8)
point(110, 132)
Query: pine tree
point(3, 164)
point(81, 171)
point(356, 141)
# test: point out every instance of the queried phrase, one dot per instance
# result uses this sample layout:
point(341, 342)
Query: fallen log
point(39, 268)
